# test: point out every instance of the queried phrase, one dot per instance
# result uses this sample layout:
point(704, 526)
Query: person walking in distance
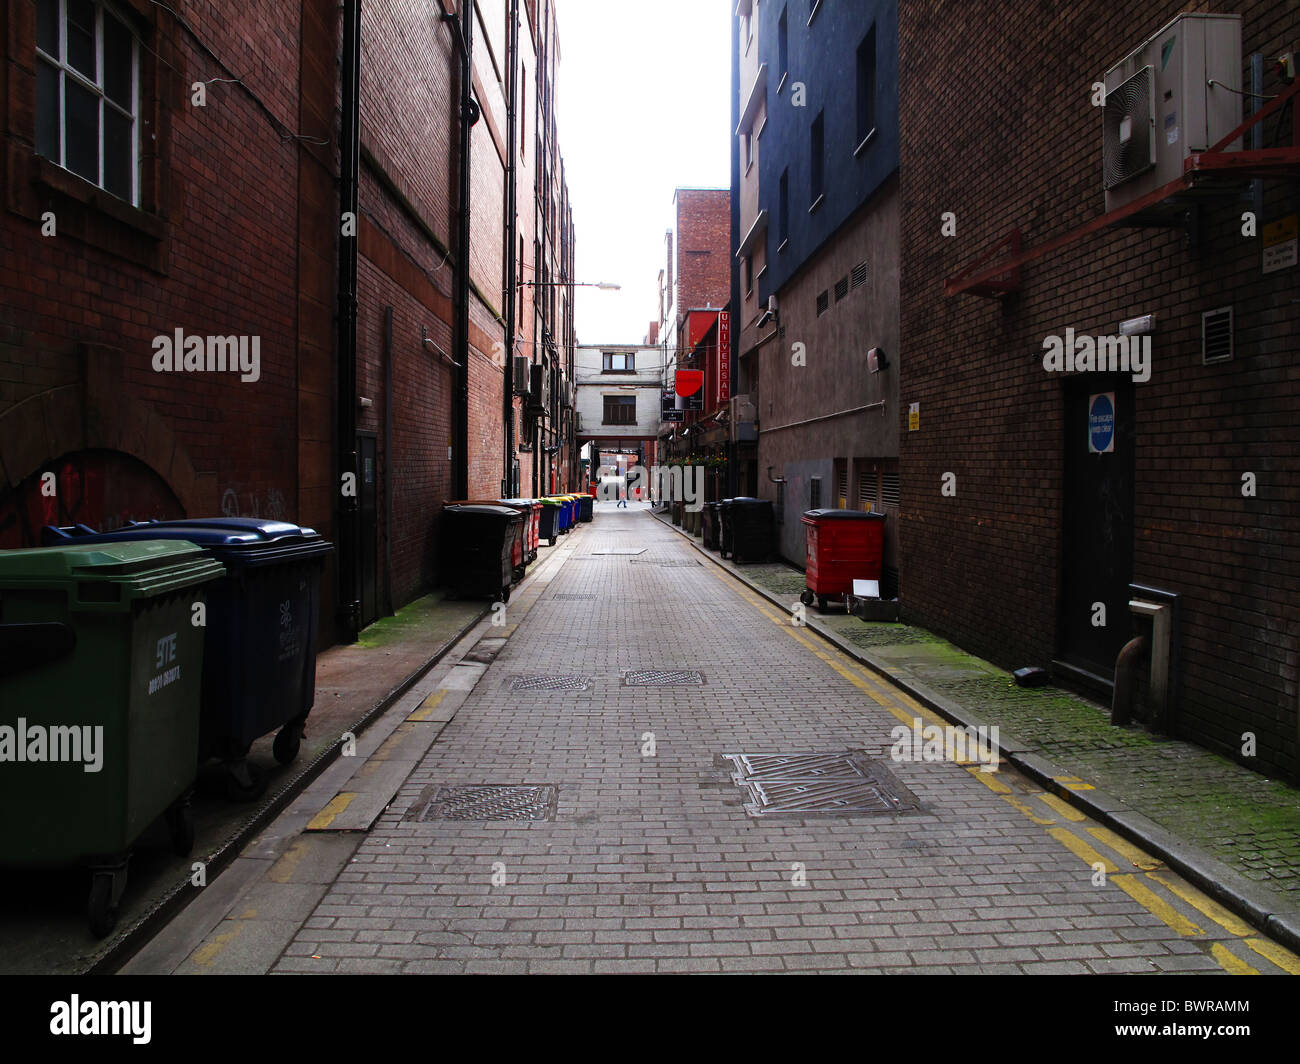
point(622, 498)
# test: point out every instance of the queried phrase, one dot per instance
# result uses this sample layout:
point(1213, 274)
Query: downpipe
point(1126, 674)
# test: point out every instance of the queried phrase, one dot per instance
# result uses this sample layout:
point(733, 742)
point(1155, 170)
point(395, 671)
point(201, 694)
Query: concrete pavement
point(643, 857)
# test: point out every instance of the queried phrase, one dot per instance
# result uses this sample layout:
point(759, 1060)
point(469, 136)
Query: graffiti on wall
point(102, 489)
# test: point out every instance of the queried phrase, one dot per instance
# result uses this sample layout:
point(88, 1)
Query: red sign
point(698, 325)
point(724, 356)
point(689, 381)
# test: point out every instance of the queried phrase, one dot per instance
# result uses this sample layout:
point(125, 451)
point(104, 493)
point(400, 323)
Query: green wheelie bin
point(101, 670)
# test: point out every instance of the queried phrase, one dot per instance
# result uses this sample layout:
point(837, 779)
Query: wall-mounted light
point(876, 360)
point(1138, 326)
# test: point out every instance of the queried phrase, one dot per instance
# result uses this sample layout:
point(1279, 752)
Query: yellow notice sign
point(1280, 243)
point(914, 417)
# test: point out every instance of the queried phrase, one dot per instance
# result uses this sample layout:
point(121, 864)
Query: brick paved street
point(652, 864)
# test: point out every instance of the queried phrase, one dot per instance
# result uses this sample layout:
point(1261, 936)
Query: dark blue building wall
point(823, 56)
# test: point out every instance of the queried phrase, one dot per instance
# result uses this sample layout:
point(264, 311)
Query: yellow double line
point(907, 709)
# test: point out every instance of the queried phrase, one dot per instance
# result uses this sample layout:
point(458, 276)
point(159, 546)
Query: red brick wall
point(703, 248)
point(998, 128)
point(220, 261)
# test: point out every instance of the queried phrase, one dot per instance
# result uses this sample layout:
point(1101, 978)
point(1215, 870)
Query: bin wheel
point(244, 781)
point(520, 572)
point(504, 596)
point(101, 908)
point(288, 740)
point(180, 826)
point(821, 603)
point(806, 597)
point(551, 542)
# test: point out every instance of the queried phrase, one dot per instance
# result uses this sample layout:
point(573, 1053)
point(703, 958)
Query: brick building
point(815, 165)
point(694, 293)
point(216, 202)
point(1068, 488)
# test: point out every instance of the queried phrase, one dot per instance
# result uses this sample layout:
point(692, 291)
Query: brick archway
point(95, 415)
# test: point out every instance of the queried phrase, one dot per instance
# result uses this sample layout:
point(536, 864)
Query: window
point(749, 274)
point(783, 209)
point(818, 160)
point(813, 7)
point(619, 362)
point(823, 304)
point(87, 94)
point(747, 148)
point(782, 48)
point(866, 88)
point(620, 410)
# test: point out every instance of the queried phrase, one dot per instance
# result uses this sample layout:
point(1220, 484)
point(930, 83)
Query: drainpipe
point(388, 460)
point(512, 240)
point(1126, 666)
point(463, 24)
point(349, 514)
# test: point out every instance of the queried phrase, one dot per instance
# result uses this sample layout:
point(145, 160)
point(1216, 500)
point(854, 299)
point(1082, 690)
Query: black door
point(1097, 541)
point(369, 546)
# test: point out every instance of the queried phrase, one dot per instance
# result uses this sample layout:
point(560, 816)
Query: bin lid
point(506, 513)
point(237, 541)
point(140, 569)
point(812, 516)
point(746, 500)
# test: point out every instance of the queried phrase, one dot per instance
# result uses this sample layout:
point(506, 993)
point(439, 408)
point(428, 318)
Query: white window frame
point(65, 70)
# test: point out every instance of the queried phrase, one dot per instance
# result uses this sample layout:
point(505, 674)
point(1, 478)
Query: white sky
point(643, 106)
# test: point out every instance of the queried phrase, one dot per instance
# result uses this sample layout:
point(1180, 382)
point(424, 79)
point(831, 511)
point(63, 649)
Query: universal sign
point(179, 353)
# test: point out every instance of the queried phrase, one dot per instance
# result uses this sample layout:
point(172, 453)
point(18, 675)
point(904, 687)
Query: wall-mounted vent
point(889, 489)
point(841, 288)
point(859, 275)
point(1216, 335)
point(823, 303)
point(867, 484)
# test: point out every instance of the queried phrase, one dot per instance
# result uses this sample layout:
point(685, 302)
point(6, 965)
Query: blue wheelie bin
point(259, 659)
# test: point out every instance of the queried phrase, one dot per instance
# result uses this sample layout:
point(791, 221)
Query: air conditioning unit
point(771, 304)
point(1160, 104)
point(522, 376)
point(539, 395)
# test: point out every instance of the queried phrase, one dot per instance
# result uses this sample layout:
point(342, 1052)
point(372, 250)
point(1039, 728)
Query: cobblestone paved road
point(652, 864)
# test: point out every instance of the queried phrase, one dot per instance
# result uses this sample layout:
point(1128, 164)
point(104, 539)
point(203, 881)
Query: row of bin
point(841, 545)
point(130, 658)
point(488, 544)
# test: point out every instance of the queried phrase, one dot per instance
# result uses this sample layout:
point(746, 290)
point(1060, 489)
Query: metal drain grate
point(620, 552)
point(663, 678)
point(575, 598)
point(487, 802)
point(665, 564)
point(808, 785)
point(550, 683)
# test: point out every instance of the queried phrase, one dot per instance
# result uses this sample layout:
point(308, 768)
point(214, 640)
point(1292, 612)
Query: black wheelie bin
point(478, 548)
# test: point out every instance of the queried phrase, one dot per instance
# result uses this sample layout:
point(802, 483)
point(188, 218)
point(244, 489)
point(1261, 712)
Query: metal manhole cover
point(663, 678)
point(550, 683)
point(666, 564)
point(487, 802)
point(807, 785)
